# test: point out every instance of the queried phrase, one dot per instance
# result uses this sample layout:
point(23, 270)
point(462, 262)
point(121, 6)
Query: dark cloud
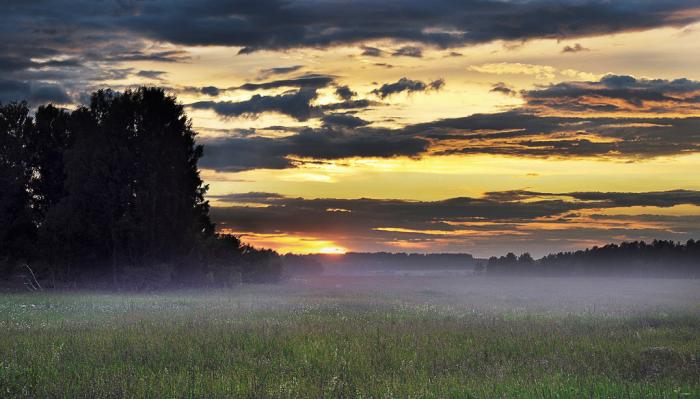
point(597, 199)
point(311, 215)
point(12, 63)
point(77, 25)
point(503, 88)
point(437, 84)
point(82, 42)
point(296, 104)
point(576, 48)
point(408, 51)
point(519, 133)
point(33, 93)
point(273, 24)
point(618, 93)
point(268, 72)
point(343, 120)
point(371, 51)
point(307, 81)
point(345, 93)
point(407, 85)
point(139, 55)
point(210, 91)
point(151, 74)
point(515, 133)
point(336, 142)
point(349, 104)
point(658, 198)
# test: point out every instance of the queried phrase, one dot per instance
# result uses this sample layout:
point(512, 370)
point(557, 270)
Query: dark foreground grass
point(291, 342)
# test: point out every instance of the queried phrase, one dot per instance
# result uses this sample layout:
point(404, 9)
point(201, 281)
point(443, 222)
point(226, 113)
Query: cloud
point(597, 199)
point(307, 81)
point(345, 93)
point(618, 94)
point(348, 104)
point(271, 24)
point(334, 141)
point(344, 120)
point(576, 48)
point(80, 43)
point(408, 51)
point(210, 91)
point(383, 65)
point(251, 197)
point(407, 85)
point(119, 55)
point(296, 104)
point(125, 31)
point(34, 93)
point(517, 133)
point(503, 88)
point(268, 72)
point(371, 51)
point(658, 198)
point(497, 222)
point(157, 75)
point(526, 134)
point(516, 68)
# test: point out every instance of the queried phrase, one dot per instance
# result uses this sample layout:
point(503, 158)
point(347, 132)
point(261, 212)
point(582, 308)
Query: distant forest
point(634, 259)
point(656, 259)
point(111, 194)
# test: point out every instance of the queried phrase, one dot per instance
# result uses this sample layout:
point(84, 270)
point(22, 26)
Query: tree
point(47, 145)
point(17, 228)
point(658, 258)
point(168, 191)
point(133, 194)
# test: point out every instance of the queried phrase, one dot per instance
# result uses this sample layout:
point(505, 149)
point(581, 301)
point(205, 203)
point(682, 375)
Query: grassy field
point(360, 337)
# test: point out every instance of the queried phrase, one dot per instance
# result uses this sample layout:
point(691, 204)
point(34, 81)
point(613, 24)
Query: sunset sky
point(404, 126)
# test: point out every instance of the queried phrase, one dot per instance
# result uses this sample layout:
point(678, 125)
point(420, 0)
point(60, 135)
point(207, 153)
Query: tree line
point(660, 258)
point(112, 192)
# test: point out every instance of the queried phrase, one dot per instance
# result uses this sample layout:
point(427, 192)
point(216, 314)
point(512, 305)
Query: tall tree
point(168, 190)
point(47, 145)
point(17, 229)
point(133, 194)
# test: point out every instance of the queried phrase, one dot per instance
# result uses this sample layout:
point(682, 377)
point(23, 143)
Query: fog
point(596, 295)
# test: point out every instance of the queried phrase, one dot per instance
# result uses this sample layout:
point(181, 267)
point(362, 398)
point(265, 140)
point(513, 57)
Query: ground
point(418, 337)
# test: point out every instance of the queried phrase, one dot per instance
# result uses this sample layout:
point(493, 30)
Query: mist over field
point(360, 336)
point(559, 295)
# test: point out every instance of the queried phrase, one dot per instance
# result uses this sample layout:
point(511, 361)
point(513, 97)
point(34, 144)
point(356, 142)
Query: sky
point(404, 126)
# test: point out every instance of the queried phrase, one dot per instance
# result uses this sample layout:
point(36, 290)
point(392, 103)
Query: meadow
point(359, 337)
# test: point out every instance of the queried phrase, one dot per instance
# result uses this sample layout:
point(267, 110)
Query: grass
point(420, 338)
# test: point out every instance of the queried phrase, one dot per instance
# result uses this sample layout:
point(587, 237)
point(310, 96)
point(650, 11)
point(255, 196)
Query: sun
point(332, 250)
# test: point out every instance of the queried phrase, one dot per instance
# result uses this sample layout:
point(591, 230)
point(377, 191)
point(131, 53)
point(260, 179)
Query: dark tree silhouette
point(17, 228)
point(659, 258)
point(113, 189)
point(133, 194)
point(47, 144)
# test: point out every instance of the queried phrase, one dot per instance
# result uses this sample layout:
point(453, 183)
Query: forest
point(660, 258)
point(110, 195)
